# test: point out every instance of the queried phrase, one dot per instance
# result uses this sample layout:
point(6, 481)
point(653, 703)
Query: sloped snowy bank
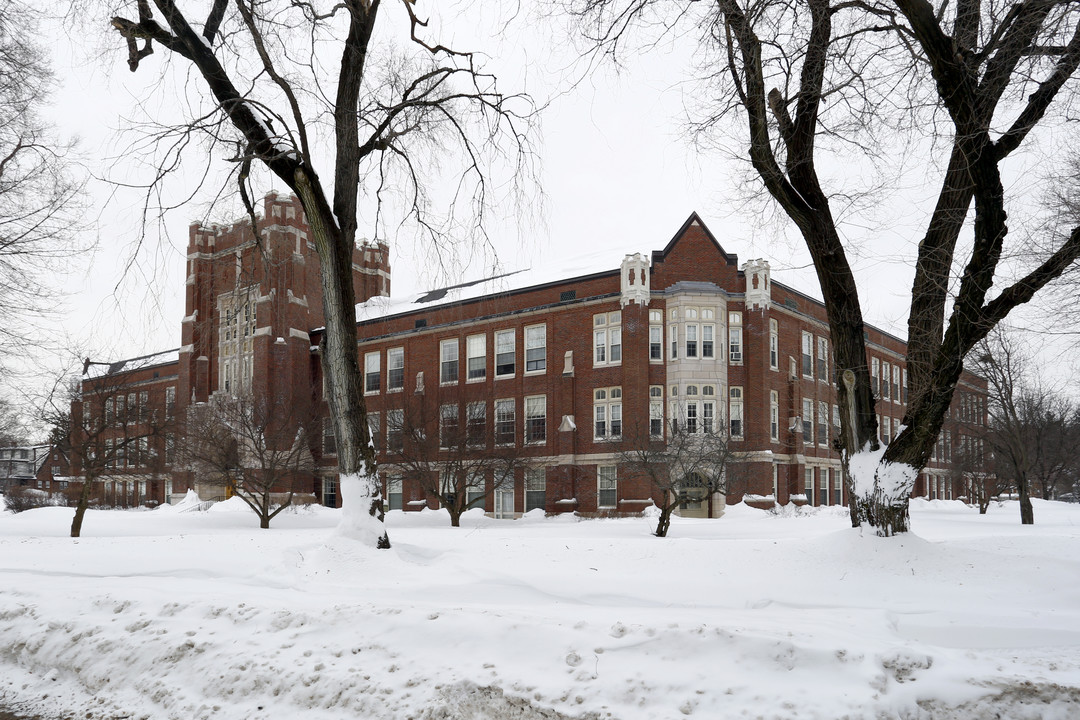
point(170, 614)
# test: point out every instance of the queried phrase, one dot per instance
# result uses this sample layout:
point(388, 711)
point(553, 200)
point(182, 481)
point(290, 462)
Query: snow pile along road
point(167, 614)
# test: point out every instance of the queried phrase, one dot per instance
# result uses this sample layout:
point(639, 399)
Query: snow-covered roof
point(94, 369)
point(502, 280)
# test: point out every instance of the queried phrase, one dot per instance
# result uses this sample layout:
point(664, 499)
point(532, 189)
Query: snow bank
point(200, 615)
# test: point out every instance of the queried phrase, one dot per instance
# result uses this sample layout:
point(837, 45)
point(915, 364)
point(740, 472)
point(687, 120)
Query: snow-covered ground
point(168, 614)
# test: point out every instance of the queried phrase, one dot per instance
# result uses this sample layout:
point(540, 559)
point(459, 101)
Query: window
point(774, 345)
point(536, 348)
point(373, 429)
point(394, 493)
point(774, 416)
point(735, 337)
point(656, 336)
point(673, 335)
point(329, 491)
point(448, 425)
point(691, 341)
point(735, 411)
point(607, 338)
point(875, 376)
point(823, 359)
point(395, 433)
point(504, 353)
point(885, 380)
point(476, 424)
point(607, 413)
point(536, 419)
point(823, 424)
point(504, 422)
point(656, 411)
point(474, 491)
point(170, 450)
point(144, 406)
point(823, 486)
point(807, 420)
point(395, 369)
point(170, 402)
point(896, 383)
point(121, 451)
point(836, 421)
point(903, 386)
point(708, 342)
point(708, 409)
point(329, 441)
point(607, 486)
point(535, 489)
point(807, 354)
point(448, 361)
point(886, 430)
point(808, 485)
point(121, 411)
point(371, 372)
point(838, 498)
point(476, 347)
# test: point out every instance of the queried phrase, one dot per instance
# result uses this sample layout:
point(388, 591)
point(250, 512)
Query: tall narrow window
point(329, 440)
point(735, 337)
point(808, 485)
point(884, 381)
point(808, 354)
point(448, 361)
point(774, 416)
point(395, 369)
point(708, 342)
point(504, 353)
point(395, 430)
point(476, 347)
point(536, 348)
point(903, 387)
point(691, 341)
point(476, 423)
point(373, 429)
point(774, 345)
point(896, 383)
point(735, 411)
point(823, 359)
point(394, 492)
point(607, 338)
point(886, 429)
point(823, 486)
point(807, 420)
point(170, 402)
point(536, 419)
point(823, 424)
point(535, 489)
point(371, 372)
point(607, 486)
point(708, 410)
point(875, 376)
point(673, 340)
point(607, 413)
point(656, 343)
point(448, 426)
point(504, 422)
point(656, 411)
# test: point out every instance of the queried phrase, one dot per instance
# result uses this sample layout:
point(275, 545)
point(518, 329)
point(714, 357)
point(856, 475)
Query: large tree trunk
point(361, 495)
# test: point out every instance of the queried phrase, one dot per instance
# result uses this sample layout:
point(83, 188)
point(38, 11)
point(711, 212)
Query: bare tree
point(810, 80)
point(39, 190)
point(12, 427)
point(456, 463)
point(1027, 420)
point(106, 435)
point(279, 99)
point(689, 465)
point(256, 446)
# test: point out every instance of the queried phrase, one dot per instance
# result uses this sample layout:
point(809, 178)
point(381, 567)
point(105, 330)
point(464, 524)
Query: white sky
point(618, 172)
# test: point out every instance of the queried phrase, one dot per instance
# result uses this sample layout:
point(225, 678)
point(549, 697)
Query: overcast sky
point(618, 172)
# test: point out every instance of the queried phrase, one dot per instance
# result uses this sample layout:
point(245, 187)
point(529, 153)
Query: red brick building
point(559, 368)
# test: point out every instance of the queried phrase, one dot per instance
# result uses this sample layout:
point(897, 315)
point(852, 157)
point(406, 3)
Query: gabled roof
point(694, 219)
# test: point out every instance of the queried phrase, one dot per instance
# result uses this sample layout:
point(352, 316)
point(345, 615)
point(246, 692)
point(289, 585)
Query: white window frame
point(774, 416)
point(500, 412)
point(476, 349)
point(736, 423)
point(607, 339)
point(607, 486)
point(372, 369)
point(505, 344)
point(808, 421)
point(607, 414)
point(808, 354)
point(449, 358)
point(656, 411)
point(691, 343)
point(774, 345)
point(532, 404)
point(735, 350)
point(395, 369)
point(535, 349)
